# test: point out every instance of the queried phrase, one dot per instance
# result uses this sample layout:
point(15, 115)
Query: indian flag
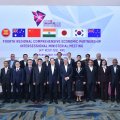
point(49, 32)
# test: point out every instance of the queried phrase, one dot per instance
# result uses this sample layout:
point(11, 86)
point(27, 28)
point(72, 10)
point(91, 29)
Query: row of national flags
point(51, 32)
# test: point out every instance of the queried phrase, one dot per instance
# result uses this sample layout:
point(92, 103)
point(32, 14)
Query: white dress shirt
point(52, 69)
point(91, 68)
point(6, 69)
point(115, 68)
point(66, 68)
point(39, 67)
point(59, 61)
point(99, 61)
point(104, 68)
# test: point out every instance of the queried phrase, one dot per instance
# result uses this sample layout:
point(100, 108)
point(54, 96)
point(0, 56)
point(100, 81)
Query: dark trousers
point(53, 91)
point(66, 88)
point(113, 87)
point(98, 91)
point(39, 92)
point(6, 88)
point(17, 91)
point(104, 91)
point(27, 91)
point(90, 91)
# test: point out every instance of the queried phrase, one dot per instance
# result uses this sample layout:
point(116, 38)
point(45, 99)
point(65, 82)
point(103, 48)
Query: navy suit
point(91, 82)
point(5, 80)
point(115, 82)
point(28, 82)
point(39, 80)
point(66, 85)
point(52, 79)
point(17, 78)
point(22, 65)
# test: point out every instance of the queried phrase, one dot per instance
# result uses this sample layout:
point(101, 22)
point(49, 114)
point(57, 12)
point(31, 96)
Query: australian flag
point(18, 32)
point(94, 32)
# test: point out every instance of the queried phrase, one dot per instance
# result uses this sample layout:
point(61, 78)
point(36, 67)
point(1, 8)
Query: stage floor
point(75, 111)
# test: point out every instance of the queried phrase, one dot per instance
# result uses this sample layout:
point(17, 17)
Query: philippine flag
point(64, 33)
point(79, 33)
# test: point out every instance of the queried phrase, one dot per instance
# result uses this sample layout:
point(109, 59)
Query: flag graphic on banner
point(64, 32)
point(94, 32)
point(18, 32)
point(34, 32)
point(5, 32)
point(79, 33)
point(49, 32)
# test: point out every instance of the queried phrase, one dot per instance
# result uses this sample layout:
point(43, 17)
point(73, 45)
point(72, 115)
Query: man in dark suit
point(5, 80)
point(91, 73)
point(98, 64)
point(79, 59)
point(53, 80)
point(66, 72)
point(11, 62)
point(38, 81)
point(59, 62)
point(24, 62)
point(87, 59)
point(17, 81)
point(46, 63)
point(115, 80)
point(28, 81)
point(35, 59)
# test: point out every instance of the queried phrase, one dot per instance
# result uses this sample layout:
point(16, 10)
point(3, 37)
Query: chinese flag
point(34, 32)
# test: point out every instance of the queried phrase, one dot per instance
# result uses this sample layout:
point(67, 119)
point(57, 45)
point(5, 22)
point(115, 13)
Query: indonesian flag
point(79, 33)
point(64, 33)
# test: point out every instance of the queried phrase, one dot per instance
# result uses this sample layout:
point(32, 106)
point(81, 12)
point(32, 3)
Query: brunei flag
point(49, 32)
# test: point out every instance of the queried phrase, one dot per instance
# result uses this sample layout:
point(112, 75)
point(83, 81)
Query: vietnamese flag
point(34, 32)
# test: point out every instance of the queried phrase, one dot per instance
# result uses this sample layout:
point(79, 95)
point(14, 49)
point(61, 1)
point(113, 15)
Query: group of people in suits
point(67, 79)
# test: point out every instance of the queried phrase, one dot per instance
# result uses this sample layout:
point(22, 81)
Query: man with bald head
point(115, 80)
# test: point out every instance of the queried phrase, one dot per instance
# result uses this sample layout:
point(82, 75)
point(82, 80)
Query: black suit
point(91, 81)
point(39, 79)
point(34, 64)
point(104, 78)
point(5, 80)
point(59, 77)
point(17, 78)
point(115, 82)
point(28, 82)
point(22, 64)
point(98, 89)
point(52, 79)
point(66, 85)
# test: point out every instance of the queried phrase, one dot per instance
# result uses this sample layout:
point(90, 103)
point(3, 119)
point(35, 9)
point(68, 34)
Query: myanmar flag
point(34, 32)
point(49, 32)
point(64, 33)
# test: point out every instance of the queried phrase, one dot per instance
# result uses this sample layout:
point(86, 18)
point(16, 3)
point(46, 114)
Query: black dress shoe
point(87, 100)
point(20, 101)
point(4, 101)
point(13, 101)
point(93, 100)
point(26, 101)
point(117, 101)
point(69, 101)
point(56, 101)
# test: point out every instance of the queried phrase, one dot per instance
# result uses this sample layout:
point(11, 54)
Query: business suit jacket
point(91, 75)
point(13, 66)
point(38, 77)
point(96, 63)
point(22, 65)
point(53, 78)
point(5, 78)
point(115, 77)
point(64, 74)
point(82, 64)
point(28, 75)
point(18, 76)
point(34, 64)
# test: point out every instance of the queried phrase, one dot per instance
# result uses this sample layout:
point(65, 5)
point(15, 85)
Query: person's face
point(90, 63)
point(17, 64)
point(35, 56)
point(29, 62)
point(5, 64)
point(59, 55)
point(87, 57)
point(115, 62)
point(65, 61)
point(39, 62)
point(12, 57)
point(78, 58)
point(52, 61)
point(98, 56)
point(25, 57)
point(46, 58)
point(78, 64)
point(104, 63)
point(69, 55)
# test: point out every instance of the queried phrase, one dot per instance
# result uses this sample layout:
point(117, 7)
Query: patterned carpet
point(74, 111)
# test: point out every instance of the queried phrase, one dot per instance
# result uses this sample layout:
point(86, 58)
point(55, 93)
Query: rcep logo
point(38, 17)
